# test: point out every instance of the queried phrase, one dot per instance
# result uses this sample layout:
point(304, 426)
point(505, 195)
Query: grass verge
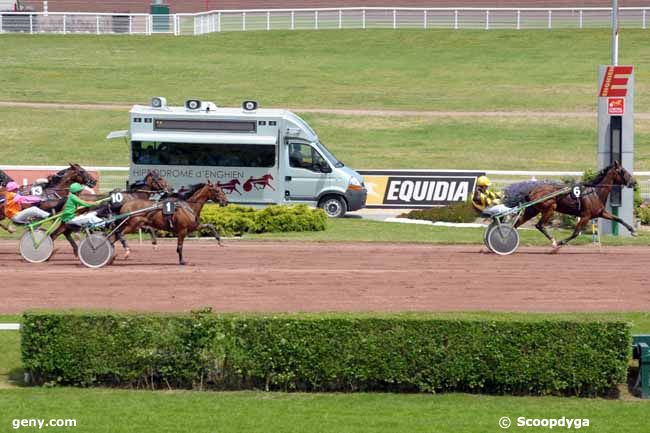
point(54, 137)
point(407, 69)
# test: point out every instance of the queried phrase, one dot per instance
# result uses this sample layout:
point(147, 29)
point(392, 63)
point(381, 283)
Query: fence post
point(550, 14)
point(268, 20)
point(580, 18)
point(175, 21)
point(363, 15)
point(518, 19)
point(293, 20)
point(130, 24)
point(394, 19)
point(218, 21)
point(31, 24)
point(315, 20)
point(340, 19)
point(487, 19)
point(456, 19)
point(150, 24)
point(97, 24)
point(64, 20)
point(644, 20)
point(243, 21)
point(1, 18)
point(424, 26)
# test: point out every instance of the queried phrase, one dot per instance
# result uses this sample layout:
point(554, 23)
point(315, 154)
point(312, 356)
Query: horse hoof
point(11, 229)
point(634, 233)
point(183, 263)
point(127, 253)
point(554, 244)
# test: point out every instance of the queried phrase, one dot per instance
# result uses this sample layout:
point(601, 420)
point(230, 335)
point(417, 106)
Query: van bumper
point(356, 199)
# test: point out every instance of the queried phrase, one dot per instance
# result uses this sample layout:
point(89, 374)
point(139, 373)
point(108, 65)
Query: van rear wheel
point(334, 206)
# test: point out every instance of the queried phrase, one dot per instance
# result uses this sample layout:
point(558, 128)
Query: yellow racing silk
point(481, 200)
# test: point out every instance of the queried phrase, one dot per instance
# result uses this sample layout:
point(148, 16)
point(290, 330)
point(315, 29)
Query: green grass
point(407, 69)
point(357, 230)
point(180, 412)
point(39, 136)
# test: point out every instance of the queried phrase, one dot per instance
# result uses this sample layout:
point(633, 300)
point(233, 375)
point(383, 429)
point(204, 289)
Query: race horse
point(152, 184)
point(590, 204)
point(185, 218)
point(54, 192)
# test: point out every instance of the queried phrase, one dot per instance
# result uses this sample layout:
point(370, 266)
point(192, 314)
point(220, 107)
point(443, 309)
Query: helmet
point(11, 186)
point(76, 187)
point(483, 181)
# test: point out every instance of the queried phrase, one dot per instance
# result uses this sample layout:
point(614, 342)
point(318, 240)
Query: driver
point(69, 215)
point(13, 205)
point(486, 201)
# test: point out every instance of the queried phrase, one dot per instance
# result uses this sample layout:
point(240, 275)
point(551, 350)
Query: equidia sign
point(418, 189)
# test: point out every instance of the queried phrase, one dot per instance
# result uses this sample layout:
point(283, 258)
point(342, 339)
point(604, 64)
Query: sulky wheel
point(503, 239)
point(485, 235)
point(36, 246)
point(95, 251)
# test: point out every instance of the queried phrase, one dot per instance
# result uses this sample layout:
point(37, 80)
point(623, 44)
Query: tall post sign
point(616, 136)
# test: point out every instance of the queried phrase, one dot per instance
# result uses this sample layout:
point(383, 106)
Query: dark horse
point(55, 190)
point(152, 184)
point(590, 203)
point(186, 216)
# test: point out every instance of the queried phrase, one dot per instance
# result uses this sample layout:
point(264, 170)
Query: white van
point(257, 156)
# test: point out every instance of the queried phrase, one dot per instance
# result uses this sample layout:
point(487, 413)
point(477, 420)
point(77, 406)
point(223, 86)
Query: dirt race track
point(301, 276)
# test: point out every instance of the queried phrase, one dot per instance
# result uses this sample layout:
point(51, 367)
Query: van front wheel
point(334, 206)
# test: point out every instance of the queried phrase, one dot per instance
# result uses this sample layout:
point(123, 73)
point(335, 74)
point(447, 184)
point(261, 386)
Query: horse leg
point(214, 231)
point(73, 244)
point(580, 225)
point(154, 238)
point(528, 214)
point(547, 214)
point(125, 245)
point(612, 217)
point(179, 247)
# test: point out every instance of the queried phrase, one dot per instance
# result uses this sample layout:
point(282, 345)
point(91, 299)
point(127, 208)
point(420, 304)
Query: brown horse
point(152, 184)
point(185, 218)
point(55, 191)
point(590, 204)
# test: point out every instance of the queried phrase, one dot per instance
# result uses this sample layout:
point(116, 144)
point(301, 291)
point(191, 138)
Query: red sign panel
point(615, 81)
point(616, 106)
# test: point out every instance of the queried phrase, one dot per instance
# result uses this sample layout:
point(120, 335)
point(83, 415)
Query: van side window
point(200, 154)
point(304, 156)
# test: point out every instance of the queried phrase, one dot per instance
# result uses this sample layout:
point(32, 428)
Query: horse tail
point(517, 193)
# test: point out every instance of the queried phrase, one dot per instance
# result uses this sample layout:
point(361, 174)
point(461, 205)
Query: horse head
point(216, 194)
point(156, 182)
point(74, 173)
point(622, 176)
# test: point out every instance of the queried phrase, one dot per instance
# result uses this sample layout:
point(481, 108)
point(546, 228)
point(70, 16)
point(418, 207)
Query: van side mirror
point(325, 168)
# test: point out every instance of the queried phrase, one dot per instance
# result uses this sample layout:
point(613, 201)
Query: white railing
point(320, 19)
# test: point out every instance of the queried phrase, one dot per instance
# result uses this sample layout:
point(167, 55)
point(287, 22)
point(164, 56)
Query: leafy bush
point(236, 220)
point(455, 213)
point(333, 352)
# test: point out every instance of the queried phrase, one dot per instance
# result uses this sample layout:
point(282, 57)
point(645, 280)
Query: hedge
point(455, 213)
point(237, 220)
point(341, 352)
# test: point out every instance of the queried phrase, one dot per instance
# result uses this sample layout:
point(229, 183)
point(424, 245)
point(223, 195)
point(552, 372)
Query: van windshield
point(330, 157)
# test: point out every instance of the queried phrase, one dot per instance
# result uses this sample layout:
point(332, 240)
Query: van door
point(304, 178)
